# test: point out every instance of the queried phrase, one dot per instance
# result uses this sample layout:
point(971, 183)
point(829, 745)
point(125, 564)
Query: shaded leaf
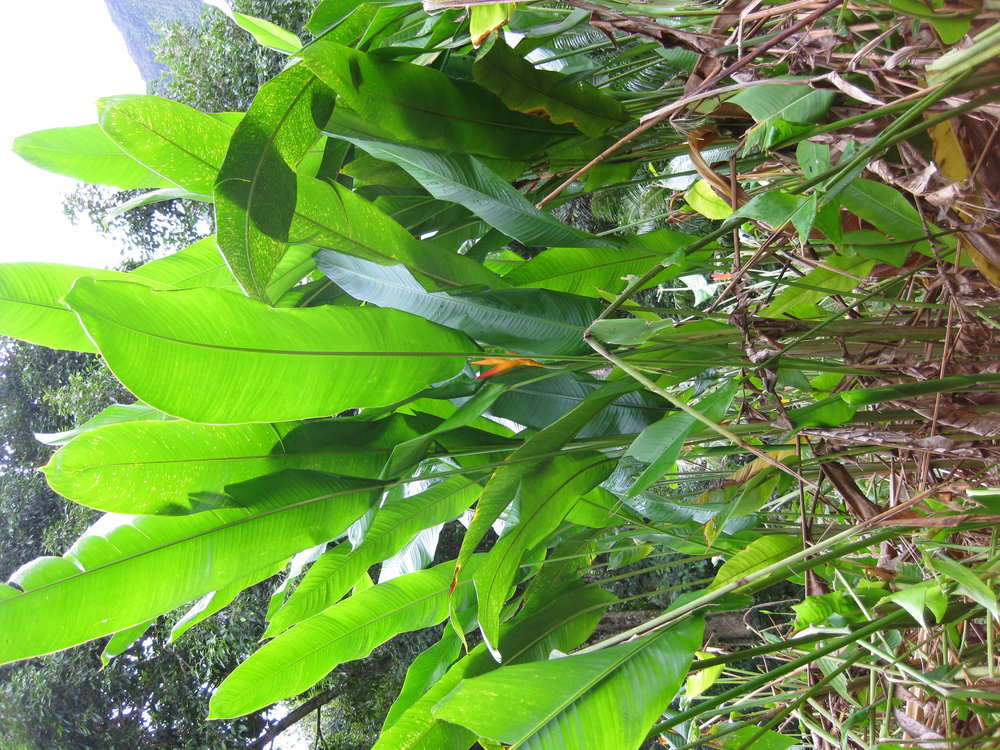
point(528, 89)
point(532, 321)
point(255, 193)
point(463, 179)
point(335, 218)
point(423, 106)
point(541, 403)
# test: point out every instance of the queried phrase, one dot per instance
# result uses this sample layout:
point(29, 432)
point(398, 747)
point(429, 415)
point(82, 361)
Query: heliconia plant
point(391, 330)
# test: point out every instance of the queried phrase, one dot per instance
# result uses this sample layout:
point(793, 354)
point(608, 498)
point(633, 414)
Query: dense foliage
point(786, 363)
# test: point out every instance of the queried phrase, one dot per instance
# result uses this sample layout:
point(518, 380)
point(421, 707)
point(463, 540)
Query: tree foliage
point(815, 408)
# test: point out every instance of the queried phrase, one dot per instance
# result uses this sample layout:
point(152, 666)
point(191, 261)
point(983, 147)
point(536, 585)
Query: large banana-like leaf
point(408, 454)
point(209, 355)
point(256, 187)
point(201, 265)
point(155, 467)
point(214, 601)
point(31, 305)
point(113, 414)
point(126, 569)
point(525, 88)
point(423, 672)
point(660, 444)
point(421, 105)
point(562, 623)
point(333, 217)
point(544, 499)
point(464, 179)
point(531, 321)
point(86, 153)
point(594, 271)
point(395, 523)
point(182, 144)
point(503, 484)
point(541, 403)
point(304, 654)
point(604, 699)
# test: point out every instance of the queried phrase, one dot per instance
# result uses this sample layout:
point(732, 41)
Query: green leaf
point(660, 444)
point(31, 306)
point(407, 454)
point(424, 107)
point(464, 179)
point(830, 412)
point(198, 265)
point(880, 393)
point(541, 403)
point(485, 18)
point(525, 88)
point(759, 554)
point(87, 154)
point(121, 641)
point(114, 414)
point(969, 583)
point(561, 623)
point(503, 484)
point(153, 197)
point(595, 271)
point(178, 142)
point(915, 599)
point(800, 302)
point(888, 210)
point(530, 321)
point(394, 524)
point(545, 497)
point(703, 199)
point(818, 609)
point(155, 467)
point(429, 667)
point(171, 351)
point(700, 681)
point(777, 208)
point(303, 655)
point(762, 739)
point(113, 577)
point(268, 34)
point(255, 193)
point(870, 243)
point(337, 14)
point(335, 218)
point(216, 601)
point(555, 704)
point(775, 104)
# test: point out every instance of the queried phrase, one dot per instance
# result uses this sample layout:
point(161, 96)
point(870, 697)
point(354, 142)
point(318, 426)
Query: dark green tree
point(216, 66)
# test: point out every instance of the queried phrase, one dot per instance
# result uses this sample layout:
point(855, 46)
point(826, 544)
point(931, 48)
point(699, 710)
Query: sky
point(58, 59)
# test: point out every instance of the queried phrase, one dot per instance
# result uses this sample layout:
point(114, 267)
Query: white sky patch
point(61, 57)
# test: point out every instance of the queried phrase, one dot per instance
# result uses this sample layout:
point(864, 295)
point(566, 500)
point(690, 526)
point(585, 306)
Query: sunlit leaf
point(171, 351)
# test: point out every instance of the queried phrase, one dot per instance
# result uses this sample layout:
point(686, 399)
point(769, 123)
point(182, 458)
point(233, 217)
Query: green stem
point(750, 685)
